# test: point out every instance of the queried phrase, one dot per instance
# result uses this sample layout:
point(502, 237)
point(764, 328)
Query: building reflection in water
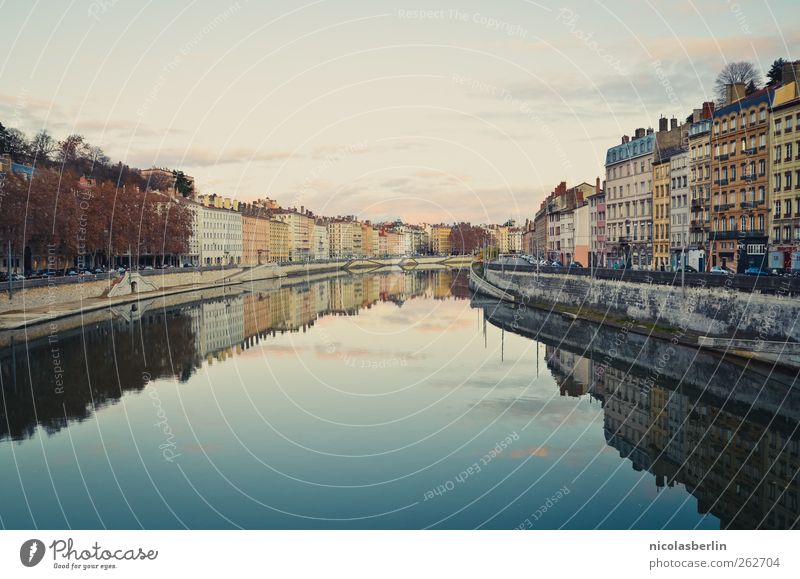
point(741, 466)
point(99, 363)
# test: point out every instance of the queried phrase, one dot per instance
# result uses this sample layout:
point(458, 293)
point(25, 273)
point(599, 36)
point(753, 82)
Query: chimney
point(649, 130)
point(662, 124)
point(708, 109)
point(625, 139)
point(673, 123)
point(597, 185)
point(790, 72)
point(734, 92)
point(639, 133)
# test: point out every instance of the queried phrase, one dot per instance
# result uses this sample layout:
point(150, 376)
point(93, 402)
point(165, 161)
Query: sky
point(423, 111)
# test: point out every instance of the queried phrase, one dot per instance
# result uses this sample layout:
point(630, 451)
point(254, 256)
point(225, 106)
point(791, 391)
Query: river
point(384, 400)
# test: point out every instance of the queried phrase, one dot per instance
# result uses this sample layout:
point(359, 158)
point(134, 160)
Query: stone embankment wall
point(700, 310)
point(53, 295)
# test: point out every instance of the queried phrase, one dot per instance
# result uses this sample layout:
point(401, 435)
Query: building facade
point(678, 209)
point(785, 183)
point(739, 180)
point(597, 224)
point(629, 200)
point(700, 186)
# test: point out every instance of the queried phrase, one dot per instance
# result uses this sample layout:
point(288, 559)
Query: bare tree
point(43, 145)
point(735, 73)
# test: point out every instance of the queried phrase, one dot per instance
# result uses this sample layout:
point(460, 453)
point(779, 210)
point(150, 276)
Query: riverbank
point(40, 305)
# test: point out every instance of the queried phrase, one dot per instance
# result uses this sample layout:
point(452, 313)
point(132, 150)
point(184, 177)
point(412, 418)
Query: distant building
point(321, 246)
point(440, 240)
point(301, 228)
point(216, 236)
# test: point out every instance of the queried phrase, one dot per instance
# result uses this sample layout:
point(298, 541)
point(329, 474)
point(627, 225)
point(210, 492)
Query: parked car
point(756, 271)
point(556, 264)
point(719, 270)
point(576, 264)
point(687, 269)
point(17, 277)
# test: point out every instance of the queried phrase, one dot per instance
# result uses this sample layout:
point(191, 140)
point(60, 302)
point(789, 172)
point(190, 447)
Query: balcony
point(721, 182)
point(724, 207)
point(748, 204)
point(600, 223)
point(723, 157)
point(600, 238)
point(723, 235)
point(601, 207)
point(750, 151)
point(698, 203)
point(699, 224)
point(749, 177)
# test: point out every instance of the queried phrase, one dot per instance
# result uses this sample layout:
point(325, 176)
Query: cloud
point(204, 157)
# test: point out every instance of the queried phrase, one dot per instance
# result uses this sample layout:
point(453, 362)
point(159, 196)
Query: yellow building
point(278, 241)
point(440, 240)
point(661, 213)
point(784, 190)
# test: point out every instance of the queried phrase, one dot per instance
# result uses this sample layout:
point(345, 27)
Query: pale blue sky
point(473, 110)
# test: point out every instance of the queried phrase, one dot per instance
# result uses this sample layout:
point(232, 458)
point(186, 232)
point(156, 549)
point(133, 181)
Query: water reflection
point(352, 398)
point(66, 375)
point(727, 433)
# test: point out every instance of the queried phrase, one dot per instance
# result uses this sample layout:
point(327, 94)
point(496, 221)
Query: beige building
point(785, 181)
point(301, 233)
point(255, 240)
point(700, 183)
point(340, 238)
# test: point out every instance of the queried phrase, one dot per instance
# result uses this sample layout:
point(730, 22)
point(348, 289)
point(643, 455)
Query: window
point(777, 126)
point(762, 115)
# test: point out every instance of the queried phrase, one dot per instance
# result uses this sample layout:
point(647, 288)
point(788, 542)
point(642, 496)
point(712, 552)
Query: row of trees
point(88, 223)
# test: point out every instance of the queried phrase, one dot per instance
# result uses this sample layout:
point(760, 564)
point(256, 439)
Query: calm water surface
point(384, 400)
